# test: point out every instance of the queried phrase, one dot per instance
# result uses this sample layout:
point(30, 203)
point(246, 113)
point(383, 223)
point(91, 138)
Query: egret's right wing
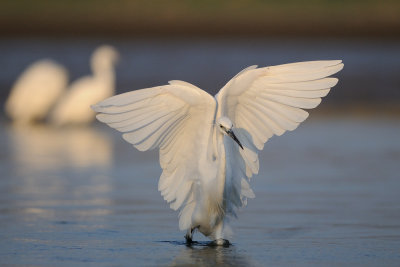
point(262, 102)
point(174, 118)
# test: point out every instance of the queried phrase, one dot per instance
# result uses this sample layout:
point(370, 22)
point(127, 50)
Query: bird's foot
point(189, 236)
point(220, 242)
point(188, 239)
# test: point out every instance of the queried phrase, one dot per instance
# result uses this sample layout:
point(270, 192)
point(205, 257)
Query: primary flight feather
point(208, 146)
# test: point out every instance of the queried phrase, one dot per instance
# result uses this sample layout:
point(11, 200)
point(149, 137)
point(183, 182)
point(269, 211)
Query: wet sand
point(327, 194)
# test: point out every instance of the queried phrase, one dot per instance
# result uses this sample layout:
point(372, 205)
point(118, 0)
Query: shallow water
point(371, 71)
point(327, 194)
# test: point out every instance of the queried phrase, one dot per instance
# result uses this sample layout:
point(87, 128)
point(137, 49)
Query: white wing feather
point(264, 102)
point(173, 118)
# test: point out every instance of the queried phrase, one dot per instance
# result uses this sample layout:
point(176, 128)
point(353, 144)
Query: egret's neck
point(103, 68)
point(106, 75)
point(221, 176)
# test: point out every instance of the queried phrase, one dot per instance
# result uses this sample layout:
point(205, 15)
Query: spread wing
point(262, 102)
point(174, 119)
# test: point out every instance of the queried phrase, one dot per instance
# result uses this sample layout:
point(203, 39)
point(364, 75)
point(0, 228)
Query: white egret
point(36, 91)
point(74, 106)
point(208, 145)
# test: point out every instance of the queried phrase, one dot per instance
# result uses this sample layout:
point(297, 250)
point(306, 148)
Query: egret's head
point(225, 125)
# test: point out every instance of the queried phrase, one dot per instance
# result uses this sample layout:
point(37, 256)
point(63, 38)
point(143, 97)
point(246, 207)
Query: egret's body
point(36, 91)
point(74, 106)
point(208, 145)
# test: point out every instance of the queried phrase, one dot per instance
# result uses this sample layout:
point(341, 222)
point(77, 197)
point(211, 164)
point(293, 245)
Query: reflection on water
point(212, 256)
point(40, 147)
point(57, 180)
point(43, 156)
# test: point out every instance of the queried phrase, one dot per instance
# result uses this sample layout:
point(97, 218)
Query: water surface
point(371, 71)
point(327, 194)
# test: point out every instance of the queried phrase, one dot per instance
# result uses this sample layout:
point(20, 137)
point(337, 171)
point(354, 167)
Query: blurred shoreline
point(317, 18)
point(190, 29)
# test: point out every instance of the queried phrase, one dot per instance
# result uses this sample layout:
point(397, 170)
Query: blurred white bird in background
point(36, 91)
point(74, 106)
point(208, 146)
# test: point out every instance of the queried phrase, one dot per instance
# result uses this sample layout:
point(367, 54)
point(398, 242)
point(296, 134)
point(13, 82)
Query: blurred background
point(81, 194)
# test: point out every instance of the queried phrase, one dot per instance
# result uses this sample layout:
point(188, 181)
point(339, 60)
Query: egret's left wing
point(262, 102)
point(176, 118)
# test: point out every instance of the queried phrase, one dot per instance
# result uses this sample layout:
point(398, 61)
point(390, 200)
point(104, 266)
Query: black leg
point(188, 239)
point(189, 236)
